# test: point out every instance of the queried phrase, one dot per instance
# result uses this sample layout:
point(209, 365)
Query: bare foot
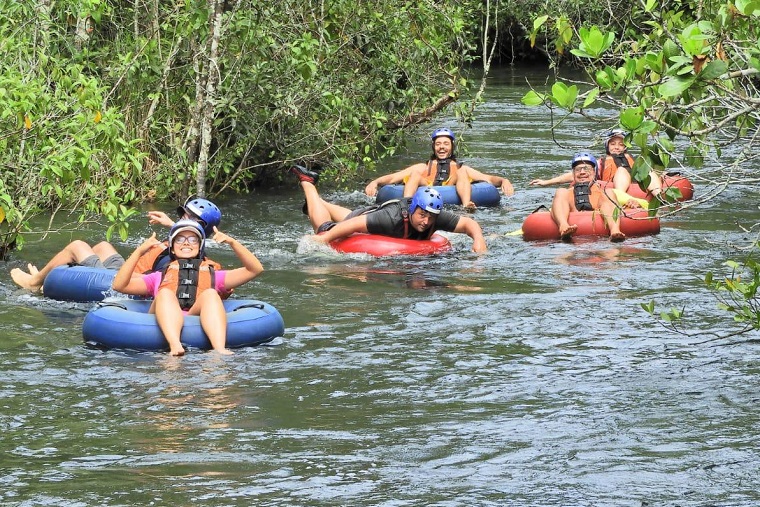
point(26, 280)
point(471, 207)
point(568, 231)
point(224, 352)
point(177, 352)
point(617, 237)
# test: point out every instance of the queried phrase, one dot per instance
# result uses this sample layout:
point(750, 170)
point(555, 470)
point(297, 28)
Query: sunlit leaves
point(593, 42)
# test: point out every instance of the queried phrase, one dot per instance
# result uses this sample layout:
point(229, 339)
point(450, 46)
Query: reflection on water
point(528, 376)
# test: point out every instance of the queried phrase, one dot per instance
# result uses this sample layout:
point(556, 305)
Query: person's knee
point(210, 295)
point(78, 245)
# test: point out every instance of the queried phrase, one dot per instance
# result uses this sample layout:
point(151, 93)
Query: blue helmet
point(187, 224)
point(428, 199)
point(608, 136)
point(443, 132)
point(583, 156)
point(207, 212)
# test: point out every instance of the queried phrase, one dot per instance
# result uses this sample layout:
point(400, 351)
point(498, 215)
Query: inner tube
point(126, 324)
point(483, 193)
point(539, 225)
point(383, 246)
point(80, 284)
point(669, 180)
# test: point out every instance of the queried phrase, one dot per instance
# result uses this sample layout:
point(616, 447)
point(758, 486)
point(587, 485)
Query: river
point(529, 376)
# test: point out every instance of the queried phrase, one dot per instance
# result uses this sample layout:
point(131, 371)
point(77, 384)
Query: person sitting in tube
point(585, 194)
point(441, 169)
point(417, 217)
point(189, 284)
point(615, 167)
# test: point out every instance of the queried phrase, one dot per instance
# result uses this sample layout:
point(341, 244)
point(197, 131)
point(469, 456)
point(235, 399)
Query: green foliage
point(60, 147)
point(101, 99)
point(737, 293)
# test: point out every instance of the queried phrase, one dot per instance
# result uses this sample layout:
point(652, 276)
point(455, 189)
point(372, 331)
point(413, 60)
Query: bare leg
point(608, 214)
point(412, 184)
point(76, 251)
point(319, 210)
point(655, 184)
point(622, 179)
point(560, 211)
point(213, 319)
point(464, 190)
point(104, 250)
point(170, 319)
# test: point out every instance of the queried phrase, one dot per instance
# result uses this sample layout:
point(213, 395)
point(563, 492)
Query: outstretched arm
point(467, 225)
point(123, 281)
point(388, 179)
point(251, 265)
point(498, 181)
point(557, 180)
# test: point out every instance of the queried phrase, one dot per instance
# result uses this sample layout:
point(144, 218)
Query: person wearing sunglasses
point(190, 284)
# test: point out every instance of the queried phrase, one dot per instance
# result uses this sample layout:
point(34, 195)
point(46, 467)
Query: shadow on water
point(528, 376)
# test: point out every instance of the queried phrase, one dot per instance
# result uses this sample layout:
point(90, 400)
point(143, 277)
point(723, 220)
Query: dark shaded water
point(529, 376)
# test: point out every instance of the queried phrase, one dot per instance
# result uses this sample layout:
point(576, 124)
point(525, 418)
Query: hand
point(159, 217)
point(506, 187)
point(479, 246)
point(319, 238)
point(221, 237)
point(538, 182)
point(148, 243)
point(371, 189)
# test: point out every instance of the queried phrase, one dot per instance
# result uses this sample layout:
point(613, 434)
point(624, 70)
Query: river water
point(529, 376)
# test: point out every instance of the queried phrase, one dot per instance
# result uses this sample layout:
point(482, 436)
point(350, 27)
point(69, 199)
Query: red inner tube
point(381, 246)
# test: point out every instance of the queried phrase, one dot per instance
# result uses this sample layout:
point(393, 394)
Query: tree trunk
point(212, 80)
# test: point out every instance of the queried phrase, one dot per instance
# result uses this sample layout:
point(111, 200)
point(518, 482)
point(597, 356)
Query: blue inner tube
point(126, 324)
point(78, 283)
point(483, 194)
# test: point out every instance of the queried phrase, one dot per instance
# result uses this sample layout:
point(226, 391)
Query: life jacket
point(188, 278)
point(608, 165)
point(440, 172)
point(587, 196)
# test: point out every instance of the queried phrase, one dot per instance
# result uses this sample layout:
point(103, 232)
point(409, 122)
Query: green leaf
point(675, 86)
point(631, 118)
point(591, 97)
point(713, 70)
point(533, 99)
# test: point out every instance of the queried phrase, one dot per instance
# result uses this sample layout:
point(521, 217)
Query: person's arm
point(343, 229)
point(124, 282)
point(467, 225)
point(251, 265)
point(498, 181)
point(562, 178)
point(159, 217)
point(388, 179)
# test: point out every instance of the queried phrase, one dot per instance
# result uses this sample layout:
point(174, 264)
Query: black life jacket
point(582, 193)
point(188, 273)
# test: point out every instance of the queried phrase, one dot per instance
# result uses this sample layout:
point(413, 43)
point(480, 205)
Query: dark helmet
point(206, 211)
point(188, 224)
point(428, 199)
point(608, 136)
point(583, 156)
